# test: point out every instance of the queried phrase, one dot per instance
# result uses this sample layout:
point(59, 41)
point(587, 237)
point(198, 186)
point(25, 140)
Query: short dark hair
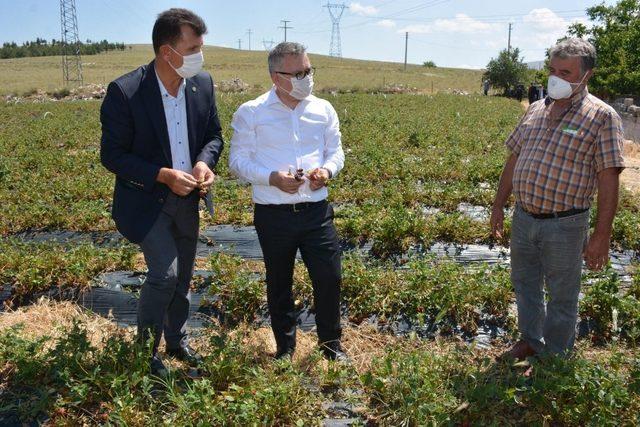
point(167, 29)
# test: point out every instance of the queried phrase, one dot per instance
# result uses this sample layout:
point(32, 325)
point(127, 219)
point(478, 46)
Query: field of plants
point(423, 329)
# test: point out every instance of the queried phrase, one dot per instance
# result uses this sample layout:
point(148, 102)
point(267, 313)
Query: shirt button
point(161, 200)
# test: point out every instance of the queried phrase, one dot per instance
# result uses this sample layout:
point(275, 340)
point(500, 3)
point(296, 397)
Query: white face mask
point(301, 88)
point(191, 64)
point(562, 89)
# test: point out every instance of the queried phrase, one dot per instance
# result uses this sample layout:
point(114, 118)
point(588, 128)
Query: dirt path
point(631, 175)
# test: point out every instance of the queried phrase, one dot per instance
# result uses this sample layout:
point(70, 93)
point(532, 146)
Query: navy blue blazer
point(135, 143)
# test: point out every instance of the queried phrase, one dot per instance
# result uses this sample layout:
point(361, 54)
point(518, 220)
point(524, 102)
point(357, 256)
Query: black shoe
point(186, 354)
point(158, 368)
point(284, 353)
point(332, 350)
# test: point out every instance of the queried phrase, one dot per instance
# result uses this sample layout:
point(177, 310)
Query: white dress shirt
point(269, 136)
point(175, 112)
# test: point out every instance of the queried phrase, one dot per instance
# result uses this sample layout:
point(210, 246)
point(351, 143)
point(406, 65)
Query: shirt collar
point(576, 99)
point(580, 96)
point(273, 98)
point(165, 94)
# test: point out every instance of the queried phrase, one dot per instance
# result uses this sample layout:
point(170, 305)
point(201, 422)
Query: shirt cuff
point(331, 167)
point(262, 177)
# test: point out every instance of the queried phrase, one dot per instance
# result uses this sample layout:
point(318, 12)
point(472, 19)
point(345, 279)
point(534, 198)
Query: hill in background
point(24, 74)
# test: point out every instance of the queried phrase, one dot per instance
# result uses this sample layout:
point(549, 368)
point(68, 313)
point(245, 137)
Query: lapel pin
point(193, 88)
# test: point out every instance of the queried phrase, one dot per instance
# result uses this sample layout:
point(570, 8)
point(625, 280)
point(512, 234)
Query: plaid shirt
point(559, 159)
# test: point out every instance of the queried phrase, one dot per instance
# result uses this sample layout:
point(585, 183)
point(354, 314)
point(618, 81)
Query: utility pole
point(335, 11)
point(249, 33)
point(509, 45)
point(285, 27)
point(406, 46)
point(239, 44)
point(70, 43)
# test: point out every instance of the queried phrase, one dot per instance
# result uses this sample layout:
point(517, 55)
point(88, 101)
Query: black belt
point(294, 207)
point(562, 214)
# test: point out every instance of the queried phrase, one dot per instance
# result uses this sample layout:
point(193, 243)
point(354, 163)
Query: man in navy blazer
point(161, 137)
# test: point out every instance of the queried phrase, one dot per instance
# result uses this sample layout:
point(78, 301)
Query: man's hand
point(204, 177)
point(318, 178)
point(285, 181)
point(181, 183)
point(497, 222)
point(596, 254)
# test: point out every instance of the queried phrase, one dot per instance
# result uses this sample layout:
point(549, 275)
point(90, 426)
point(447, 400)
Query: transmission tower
point(71, 61)
point(336, 11)
point(268, 44)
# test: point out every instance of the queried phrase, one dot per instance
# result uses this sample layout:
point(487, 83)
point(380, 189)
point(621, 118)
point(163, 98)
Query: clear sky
point(454, 33)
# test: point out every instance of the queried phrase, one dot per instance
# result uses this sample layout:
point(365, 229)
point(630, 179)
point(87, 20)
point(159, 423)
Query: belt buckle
point(294, 208)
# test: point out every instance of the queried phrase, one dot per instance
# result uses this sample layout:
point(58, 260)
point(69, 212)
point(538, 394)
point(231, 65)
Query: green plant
point(34, 267)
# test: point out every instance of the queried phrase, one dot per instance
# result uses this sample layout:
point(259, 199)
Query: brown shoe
point(520, 351)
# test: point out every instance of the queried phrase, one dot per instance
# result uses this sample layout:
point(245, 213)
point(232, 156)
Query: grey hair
point(573, 47)
point(277, 54)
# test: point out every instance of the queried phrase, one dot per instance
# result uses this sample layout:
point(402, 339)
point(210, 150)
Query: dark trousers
point(169, 251)
point(281, 234)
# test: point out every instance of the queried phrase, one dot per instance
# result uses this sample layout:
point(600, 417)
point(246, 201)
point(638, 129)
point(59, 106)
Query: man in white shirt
point(287, 144)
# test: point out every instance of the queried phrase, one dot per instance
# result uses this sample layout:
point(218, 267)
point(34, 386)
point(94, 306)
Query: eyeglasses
point(300, 74)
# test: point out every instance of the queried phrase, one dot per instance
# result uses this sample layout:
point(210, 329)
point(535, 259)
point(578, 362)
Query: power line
point(268, 44)
point(335, 11)
point(367, 20)
point(239, 44)
point(71, 61)
point(285, 27)
point(497, 18)
point(249, 34)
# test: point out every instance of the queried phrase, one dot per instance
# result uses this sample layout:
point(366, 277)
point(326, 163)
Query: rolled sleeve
point(610, 143)
point(242, 149)
point(514, 141)
point(333, 152)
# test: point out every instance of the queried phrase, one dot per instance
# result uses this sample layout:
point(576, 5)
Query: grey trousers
point(169, 251)
point(548, 251)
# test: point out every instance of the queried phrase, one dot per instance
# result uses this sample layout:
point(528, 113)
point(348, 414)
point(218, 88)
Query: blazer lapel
point(192, 95)
point(155, 109)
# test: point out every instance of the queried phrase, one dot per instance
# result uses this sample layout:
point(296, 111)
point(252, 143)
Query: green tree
point(615, 32)
point(507, 70)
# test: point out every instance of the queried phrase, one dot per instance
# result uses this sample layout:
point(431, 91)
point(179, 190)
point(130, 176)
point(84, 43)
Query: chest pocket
point(578, 146)
point(273, 133)
point(312, 131)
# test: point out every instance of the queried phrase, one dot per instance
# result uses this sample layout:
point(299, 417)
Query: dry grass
point(630, 177)
point(363, 343)
point(54, 319)
point(24, 74)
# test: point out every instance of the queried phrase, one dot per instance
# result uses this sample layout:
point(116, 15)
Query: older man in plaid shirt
point(566, 147)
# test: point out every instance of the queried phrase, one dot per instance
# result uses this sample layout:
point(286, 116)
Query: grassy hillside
point(23, 74)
